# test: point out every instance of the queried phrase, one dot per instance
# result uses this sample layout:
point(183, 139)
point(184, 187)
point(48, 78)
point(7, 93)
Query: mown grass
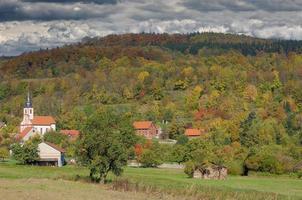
point(275, 187)
point(171, 181)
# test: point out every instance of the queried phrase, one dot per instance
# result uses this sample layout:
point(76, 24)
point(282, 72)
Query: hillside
point(244, 92)
point(158, 47)
point(193, 78)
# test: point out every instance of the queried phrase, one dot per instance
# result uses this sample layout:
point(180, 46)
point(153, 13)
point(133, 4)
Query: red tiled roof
point(142, 124)
point(24, 132)
point(43, 120)
point(193, 132)
point(73, 133)
point(55, 147)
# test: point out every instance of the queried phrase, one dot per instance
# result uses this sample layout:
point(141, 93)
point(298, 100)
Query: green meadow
point(149, 182)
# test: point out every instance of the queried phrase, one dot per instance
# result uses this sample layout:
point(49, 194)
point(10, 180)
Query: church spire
point(28, 103)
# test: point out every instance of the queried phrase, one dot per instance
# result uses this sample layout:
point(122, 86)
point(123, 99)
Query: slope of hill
point(200, 79)
point(245, 92)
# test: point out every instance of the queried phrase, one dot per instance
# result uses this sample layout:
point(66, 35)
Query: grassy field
point(46, 189)
point(152, 182)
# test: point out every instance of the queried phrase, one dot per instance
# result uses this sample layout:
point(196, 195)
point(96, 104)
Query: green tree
point(179, 154)
point(175, 129)
point(3, 153)
point(4, 91)
point(105, 143)
point(182, 139)
point(26, 153)
point(150, 158)
point(247, 134)
point(189, 168)
point(56, 138)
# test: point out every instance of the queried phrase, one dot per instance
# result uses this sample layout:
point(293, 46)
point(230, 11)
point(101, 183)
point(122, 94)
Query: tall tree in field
point(105, 143)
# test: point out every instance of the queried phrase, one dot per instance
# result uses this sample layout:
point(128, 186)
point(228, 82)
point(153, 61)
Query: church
point(32, 125)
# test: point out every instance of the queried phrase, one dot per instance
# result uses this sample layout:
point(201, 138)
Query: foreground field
point(45, 189)
point(151, 182)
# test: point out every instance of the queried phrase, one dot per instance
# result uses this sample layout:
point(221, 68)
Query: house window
point(41, 130)
point(30, 111)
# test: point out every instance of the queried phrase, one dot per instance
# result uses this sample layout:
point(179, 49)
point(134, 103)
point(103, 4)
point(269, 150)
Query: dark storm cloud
point(74, 1)
point(16, 10)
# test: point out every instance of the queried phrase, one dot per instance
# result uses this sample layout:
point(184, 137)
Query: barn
point(50, 155)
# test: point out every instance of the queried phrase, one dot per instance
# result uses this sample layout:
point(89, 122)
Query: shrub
point(25, 154)
point(3, 153)
point(235, 168)
point(150, 159)
point(56, 138)
point(182, 139)
point(189, 169)
point(299, 173)
point(270, 164)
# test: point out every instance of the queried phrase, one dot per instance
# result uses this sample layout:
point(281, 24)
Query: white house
point(50, 154)
point(32, 125)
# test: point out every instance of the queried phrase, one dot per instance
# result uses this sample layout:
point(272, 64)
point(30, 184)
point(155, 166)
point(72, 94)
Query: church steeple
point(28, 103)
point(28, 111)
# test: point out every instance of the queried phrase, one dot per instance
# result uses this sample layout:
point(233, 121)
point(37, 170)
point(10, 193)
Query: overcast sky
point(27, 25)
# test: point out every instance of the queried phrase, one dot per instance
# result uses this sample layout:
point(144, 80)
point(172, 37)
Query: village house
point(32, 125)
point(146, 128)
point(72, 134)
point(193, 132)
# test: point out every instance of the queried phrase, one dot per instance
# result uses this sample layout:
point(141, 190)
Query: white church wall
point(44, 129)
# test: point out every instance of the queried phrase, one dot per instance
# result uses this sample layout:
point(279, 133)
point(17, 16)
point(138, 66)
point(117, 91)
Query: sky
point(29, 25)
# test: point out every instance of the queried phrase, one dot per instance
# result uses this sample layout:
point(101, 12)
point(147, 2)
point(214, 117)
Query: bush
point(299, 173)
point(56, 138)
point(270, 164)
point(189, 169)
point(3, 153)
point(235, 168)
point(150, 159)
point(26, 154)
point(182, 139)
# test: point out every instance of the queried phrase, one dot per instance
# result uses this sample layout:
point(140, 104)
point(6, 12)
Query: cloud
point(74, 1)
point(27, 25)
point(244, 5)
point(15, 10)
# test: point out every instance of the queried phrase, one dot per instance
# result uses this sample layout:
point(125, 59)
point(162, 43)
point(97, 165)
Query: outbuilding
point(213, 172)
point(50, 155)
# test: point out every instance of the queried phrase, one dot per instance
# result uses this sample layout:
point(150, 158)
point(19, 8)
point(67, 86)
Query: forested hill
point(192, 43)
point(149, 46)
point(211, 81)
